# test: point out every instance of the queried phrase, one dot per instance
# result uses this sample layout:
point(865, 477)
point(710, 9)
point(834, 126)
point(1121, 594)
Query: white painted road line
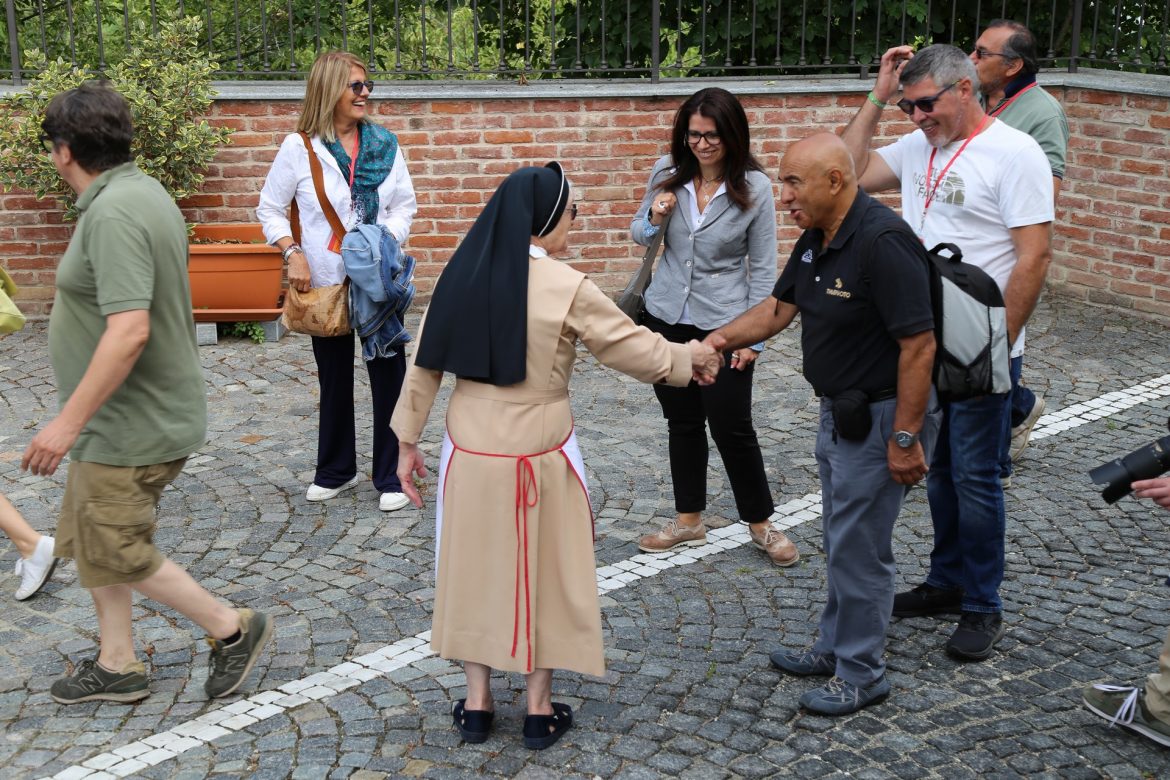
point(149, 751)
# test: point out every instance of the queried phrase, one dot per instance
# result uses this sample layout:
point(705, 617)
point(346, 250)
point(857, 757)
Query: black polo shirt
point(853, 308)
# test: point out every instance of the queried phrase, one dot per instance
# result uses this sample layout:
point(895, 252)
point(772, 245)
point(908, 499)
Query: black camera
point(1119, 475)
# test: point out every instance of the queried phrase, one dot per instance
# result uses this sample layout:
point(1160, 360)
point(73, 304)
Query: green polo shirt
point(1038, 114)
point(129, 252)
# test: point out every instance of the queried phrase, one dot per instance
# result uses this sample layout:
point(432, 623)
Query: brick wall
point(1112, 236)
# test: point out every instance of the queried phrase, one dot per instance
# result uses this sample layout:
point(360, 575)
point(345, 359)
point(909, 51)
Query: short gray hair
point(942, 63)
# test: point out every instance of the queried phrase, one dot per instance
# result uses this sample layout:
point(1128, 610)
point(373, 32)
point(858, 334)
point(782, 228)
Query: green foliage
point(166, 79)
point(249, 330)
point(487, 39)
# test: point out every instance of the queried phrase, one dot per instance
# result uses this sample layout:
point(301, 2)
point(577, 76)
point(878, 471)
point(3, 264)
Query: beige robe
point(516, 586)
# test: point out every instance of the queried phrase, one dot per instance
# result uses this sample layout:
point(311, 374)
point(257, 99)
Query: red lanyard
point(1003, 106)
point(357, 141)
point(931, 190)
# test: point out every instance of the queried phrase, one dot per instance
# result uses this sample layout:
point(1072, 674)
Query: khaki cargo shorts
point(108, 520)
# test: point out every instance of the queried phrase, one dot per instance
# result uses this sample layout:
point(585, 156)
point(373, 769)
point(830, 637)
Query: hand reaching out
point(705, 362)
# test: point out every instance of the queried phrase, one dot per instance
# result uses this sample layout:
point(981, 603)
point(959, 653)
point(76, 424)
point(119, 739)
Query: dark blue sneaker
point(804, 663)
point(840, 697)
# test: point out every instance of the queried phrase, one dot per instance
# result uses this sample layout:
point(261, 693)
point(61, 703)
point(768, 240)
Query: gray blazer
point(722, 269)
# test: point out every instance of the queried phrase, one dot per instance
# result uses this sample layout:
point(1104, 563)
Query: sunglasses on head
point(357, 86)
point(926, 104)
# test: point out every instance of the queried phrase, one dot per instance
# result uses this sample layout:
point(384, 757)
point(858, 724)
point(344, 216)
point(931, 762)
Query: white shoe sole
point(324, 494)
point(675, 546)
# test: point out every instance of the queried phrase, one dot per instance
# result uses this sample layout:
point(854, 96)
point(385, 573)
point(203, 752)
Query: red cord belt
point(526, 496)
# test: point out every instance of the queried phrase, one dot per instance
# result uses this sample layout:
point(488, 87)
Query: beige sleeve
point(416, 398)
point(616, 341)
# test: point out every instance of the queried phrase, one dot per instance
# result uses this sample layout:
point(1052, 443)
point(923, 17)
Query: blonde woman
point(365, 180)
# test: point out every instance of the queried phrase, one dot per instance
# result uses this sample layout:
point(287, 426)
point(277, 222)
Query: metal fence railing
point(530, 39)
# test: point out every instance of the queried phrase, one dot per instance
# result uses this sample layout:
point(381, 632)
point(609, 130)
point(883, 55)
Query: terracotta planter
point(235, 282)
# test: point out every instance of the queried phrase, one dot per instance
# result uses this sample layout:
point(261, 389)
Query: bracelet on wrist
point(288, 250)
point(872, 98)
point(651, 228)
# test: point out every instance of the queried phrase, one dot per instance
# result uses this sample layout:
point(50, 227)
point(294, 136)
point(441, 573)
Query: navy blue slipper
point(537, 733)
point(473, 725)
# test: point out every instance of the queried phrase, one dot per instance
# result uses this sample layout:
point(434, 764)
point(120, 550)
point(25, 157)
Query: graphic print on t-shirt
point(951, 190)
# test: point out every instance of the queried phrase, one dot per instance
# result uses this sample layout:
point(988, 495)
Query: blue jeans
point(1023, 400)
point(966, 500)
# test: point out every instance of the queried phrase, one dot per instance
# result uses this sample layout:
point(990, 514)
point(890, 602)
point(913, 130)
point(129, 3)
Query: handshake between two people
point(707, 358)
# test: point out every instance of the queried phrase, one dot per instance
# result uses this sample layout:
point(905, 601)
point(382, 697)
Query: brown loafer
point(672, 536)
point(779, 547)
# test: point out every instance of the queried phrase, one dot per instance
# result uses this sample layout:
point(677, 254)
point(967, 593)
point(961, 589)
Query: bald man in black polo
point(858, 277)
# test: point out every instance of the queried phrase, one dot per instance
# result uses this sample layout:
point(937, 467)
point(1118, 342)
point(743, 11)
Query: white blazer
point(290, 176)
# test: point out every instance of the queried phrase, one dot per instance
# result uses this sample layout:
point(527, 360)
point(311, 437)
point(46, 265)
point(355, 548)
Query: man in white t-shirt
point(968, 179)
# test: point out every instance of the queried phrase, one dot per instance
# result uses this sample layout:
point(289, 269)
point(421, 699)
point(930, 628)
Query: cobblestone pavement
point(689, 691)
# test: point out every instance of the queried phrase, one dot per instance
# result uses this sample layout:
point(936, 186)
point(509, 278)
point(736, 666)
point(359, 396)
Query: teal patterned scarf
point(375, 159)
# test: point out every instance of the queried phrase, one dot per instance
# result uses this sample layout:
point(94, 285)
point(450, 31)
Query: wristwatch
point(905, 439)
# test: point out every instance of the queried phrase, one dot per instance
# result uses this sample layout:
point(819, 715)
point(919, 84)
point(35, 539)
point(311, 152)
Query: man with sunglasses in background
point(1005, 59)
point(969, 179)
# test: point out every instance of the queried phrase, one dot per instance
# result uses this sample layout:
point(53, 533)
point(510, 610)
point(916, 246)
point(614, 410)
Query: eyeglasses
point(982, 54)
point(47, 142)
point(357, 87)
point(711, 137)
point(573, 213)
point(925, 105)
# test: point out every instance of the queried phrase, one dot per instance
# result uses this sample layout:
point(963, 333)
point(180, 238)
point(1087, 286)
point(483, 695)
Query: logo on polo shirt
point(836, 290)
point(807, 256)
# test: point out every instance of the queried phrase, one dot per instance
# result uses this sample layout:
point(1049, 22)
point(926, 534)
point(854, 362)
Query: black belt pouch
point(851, 415)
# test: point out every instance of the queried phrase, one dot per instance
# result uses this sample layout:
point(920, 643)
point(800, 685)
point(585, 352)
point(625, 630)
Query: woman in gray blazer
point(719, 259)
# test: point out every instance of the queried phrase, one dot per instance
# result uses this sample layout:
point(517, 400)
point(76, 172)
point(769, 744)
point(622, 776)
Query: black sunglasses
point(357, 86)
point(48, 142)
point(925, 105)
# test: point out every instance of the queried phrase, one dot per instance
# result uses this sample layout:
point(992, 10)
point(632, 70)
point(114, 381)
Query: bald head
point(822, 152)
point(818, 181)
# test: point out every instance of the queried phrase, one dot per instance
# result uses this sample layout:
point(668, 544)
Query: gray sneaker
point(1125, 706)
point(804, 663)
point(840, 697)
point(229, 664)
point(92, 682)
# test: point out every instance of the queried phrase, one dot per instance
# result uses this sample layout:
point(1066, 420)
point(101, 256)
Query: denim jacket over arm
point(380, 288)
point(721, 269)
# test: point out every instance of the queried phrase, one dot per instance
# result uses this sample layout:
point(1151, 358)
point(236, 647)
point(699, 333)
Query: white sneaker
point(318, 493)
point(1022, 432)
point(391, 501)
point(35, 569)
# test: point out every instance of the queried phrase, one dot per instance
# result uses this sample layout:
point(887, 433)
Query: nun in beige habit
point(516, 587)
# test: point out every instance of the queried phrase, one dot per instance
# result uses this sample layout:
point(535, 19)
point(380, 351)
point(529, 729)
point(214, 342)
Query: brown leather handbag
point(322, 311)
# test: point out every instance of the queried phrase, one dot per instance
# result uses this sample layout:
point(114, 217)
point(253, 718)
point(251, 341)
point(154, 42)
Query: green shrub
point(166, 78)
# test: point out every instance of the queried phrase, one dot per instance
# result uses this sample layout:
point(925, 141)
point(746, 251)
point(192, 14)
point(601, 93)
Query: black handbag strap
point(652, 250)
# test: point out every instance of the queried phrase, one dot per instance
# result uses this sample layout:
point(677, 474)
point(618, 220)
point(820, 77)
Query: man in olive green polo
point(133, 407)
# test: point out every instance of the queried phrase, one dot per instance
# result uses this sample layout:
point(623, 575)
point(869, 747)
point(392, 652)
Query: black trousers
point(726, 406)
point(336, 437)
